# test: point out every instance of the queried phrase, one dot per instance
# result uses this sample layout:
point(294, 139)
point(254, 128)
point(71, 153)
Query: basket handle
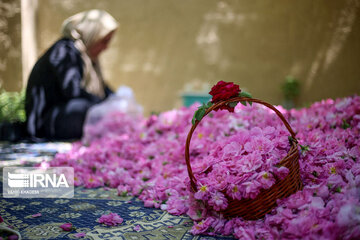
point(216, 105)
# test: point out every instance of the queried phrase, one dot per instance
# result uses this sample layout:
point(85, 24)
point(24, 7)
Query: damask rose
point(223, 91)
point(111, 219)
point(237, 154)
point(67, 227)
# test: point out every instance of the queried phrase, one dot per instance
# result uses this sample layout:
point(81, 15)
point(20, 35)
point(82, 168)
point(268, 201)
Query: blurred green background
point(165, 46)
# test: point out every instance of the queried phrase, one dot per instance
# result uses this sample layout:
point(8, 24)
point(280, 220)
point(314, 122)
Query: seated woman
point(66, 81)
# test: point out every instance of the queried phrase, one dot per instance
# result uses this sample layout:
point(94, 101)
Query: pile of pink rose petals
point(233, 151)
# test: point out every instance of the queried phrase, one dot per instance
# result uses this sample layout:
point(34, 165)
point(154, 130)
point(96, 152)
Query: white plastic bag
point(122, 101)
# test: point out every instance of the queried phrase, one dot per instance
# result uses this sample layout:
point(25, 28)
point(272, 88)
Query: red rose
point(223, 91)
point(227, 107)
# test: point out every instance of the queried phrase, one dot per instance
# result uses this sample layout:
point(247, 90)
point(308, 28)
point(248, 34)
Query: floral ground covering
point(234, 152)
point(42, 218)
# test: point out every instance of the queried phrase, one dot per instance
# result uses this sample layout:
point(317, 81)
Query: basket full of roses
point(277, 181)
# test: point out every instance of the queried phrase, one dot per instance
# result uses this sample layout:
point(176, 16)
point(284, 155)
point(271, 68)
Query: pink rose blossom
point(66, 227)
point(80, 234)
point(36, 215)
point(202, 193)
point(123, 190)
point(177, 206)
point(111, 219)
point(233, 156)
point(348, 215)
point(218, 201)
point(281, 172)
point(137, 228)
point(202, 226)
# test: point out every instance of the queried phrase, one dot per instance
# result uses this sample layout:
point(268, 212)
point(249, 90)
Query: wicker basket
point(252, 209)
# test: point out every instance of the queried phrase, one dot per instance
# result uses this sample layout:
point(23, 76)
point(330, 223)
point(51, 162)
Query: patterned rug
point(84, 208)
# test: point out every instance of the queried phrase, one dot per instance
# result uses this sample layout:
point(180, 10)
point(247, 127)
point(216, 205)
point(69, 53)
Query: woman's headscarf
point(86, 28)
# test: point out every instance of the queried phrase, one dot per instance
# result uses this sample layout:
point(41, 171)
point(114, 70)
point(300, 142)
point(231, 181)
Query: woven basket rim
point(293, 142)
point(265, 201)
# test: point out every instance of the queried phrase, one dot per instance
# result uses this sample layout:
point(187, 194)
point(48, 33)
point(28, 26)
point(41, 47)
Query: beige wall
point(10, 45)
point(164, 44)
